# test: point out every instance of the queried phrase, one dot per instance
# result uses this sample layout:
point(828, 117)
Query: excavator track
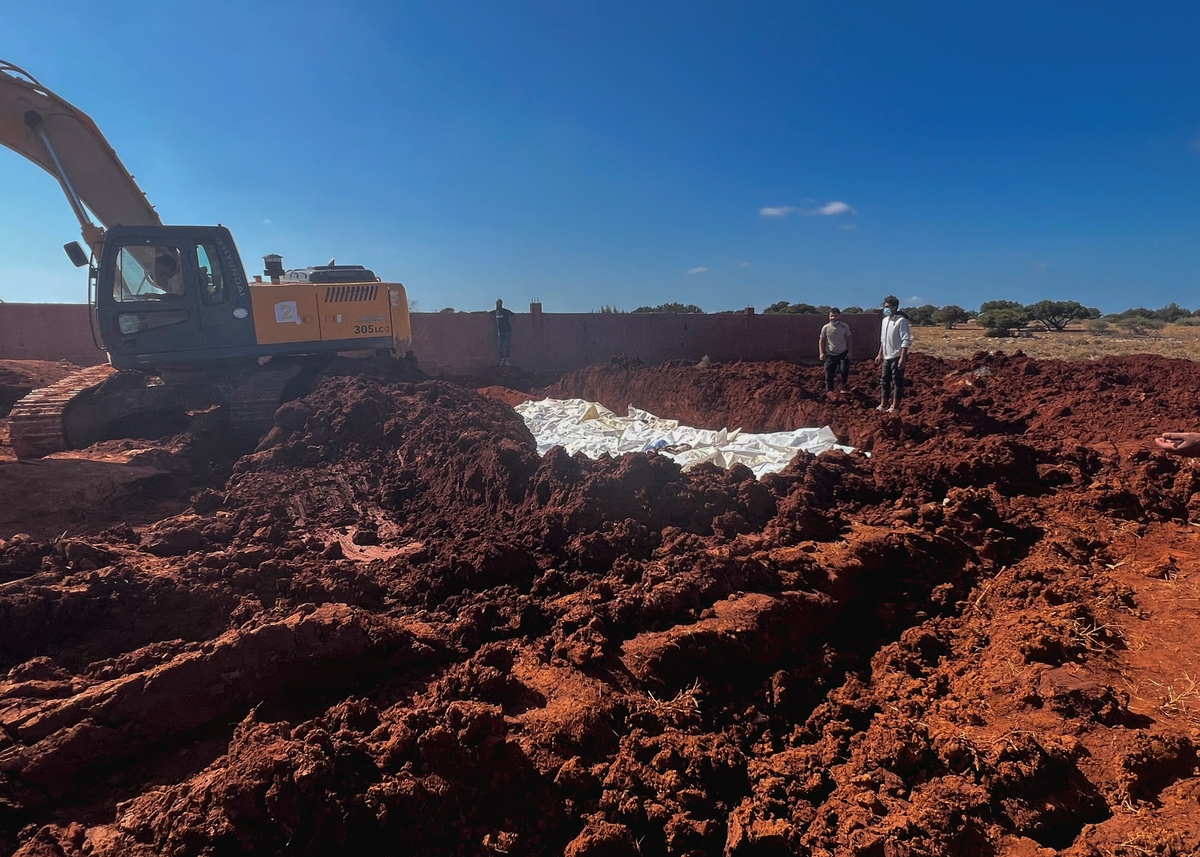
point(254, 401)
point(35, 424)
point(100, 403)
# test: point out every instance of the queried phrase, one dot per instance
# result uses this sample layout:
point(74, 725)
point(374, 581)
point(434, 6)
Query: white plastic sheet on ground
point(589, 427)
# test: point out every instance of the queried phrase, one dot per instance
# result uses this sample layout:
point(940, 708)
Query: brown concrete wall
point(560, 342)
point(48, 332)
point(542, 342)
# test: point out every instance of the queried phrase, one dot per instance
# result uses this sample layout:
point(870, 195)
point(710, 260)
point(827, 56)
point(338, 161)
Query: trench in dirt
point(396, 629)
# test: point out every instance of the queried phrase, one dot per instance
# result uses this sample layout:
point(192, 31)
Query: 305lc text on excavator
point(182, 325)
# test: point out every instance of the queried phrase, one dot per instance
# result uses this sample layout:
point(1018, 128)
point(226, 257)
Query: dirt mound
point(395, 629)
point(989, 394)
point(505, 394)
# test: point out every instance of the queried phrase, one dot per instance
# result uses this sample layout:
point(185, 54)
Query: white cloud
point(914, 300)
point(830, 209)
point(266, 221)
point(699, 270)
point(847, 226)
point(744, 264)
point(1040, 267)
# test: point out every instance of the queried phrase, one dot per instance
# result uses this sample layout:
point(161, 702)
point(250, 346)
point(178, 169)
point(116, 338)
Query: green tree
point(922, 315)
point(672, 307)
point(1136, 312)
point(785, 308)
point(857, 310)
point(1006, 318)
point(1140, 325)
point(1056, 315)
point(950, 315)
point(1171, 312)
point(991, 305)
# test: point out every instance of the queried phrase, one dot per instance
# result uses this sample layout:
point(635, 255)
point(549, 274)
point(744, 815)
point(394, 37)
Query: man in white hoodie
point(895, 340)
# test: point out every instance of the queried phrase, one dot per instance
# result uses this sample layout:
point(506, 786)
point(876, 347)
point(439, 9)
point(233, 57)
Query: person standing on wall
point(503, 331)
point(834, 349)
point(895, 340)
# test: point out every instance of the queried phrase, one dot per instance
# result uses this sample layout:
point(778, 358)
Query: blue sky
point(625, 153)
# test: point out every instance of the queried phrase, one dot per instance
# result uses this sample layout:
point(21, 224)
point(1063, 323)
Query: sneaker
point(892, 409)
point(879, 407)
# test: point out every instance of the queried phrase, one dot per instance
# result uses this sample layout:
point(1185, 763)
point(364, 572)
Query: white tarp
point(591, 428)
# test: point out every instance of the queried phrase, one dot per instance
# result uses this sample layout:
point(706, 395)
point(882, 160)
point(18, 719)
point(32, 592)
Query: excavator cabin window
point(148, 273)
point(212, 284)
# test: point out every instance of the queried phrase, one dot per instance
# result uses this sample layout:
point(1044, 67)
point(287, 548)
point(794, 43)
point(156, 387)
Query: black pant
point(832, 361)
point(893, 378)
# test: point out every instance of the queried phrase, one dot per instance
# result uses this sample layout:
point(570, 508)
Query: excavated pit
point(395, 629)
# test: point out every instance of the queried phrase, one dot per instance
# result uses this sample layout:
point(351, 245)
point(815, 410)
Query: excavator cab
point(169, 295)
point(174, 297)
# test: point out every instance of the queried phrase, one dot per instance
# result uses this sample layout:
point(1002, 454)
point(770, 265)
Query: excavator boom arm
point(66, 143)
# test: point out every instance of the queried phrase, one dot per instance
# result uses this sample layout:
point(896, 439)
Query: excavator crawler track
point(35, 424)
point(254, 402)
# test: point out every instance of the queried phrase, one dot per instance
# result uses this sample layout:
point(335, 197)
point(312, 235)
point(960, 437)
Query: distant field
point(1071, 344)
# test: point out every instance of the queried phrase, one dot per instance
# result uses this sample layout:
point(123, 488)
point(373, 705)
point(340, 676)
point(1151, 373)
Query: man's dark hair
point(835, 310)
point(892, 301)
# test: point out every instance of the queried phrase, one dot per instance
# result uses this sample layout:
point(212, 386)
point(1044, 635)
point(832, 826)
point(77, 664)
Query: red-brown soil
point(394, 629)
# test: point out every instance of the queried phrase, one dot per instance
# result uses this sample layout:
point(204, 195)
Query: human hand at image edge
point(1184, 443)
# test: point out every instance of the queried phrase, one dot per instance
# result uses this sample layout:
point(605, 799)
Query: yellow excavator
point(182, 325)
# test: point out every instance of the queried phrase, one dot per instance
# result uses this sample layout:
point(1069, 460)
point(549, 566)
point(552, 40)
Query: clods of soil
point(395, 629)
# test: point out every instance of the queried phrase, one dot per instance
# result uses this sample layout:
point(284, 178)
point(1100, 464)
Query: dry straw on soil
point(1074, 343)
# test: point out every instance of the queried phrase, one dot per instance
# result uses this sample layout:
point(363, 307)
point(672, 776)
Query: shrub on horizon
point(671, 307)
point(1171, 312)
point(785, 308)
point(1140, 325)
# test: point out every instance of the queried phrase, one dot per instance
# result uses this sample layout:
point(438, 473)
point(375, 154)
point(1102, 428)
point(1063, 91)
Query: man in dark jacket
point(503, 331)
